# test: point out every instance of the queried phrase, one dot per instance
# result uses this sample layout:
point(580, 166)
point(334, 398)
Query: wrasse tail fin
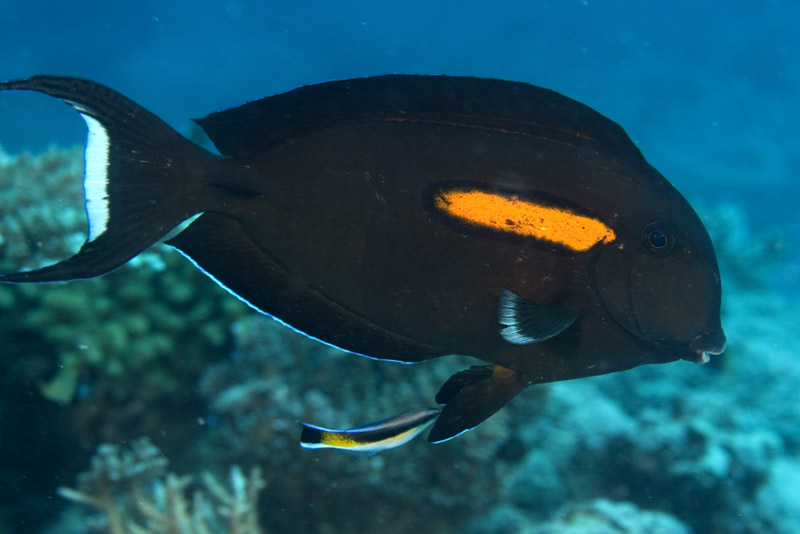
point(472, 396)
point(136, 177)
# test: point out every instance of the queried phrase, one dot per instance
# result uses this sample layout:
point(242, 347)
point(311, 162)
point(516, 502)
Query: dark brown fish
point(410, 217)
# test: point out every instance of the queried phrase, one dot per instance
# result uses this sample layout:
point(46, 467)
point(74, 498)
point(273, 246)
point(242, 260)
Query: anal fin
point(472, 396)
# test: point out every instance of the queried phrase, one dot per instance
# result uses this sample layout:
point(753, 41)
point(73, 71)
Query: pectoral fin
point(471, 396)
point(527, 322)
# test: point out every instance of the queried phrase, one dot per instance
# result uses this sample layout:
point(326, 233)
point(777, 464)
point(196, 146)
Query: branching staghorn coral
point(136, 495)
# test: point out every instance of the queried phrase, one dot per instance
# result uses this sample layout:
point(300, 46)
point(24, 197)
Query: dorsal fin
point(473, 102)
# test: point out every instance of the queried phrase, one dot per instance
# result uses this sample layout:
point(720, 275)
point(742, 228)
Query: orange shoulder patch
point(511, 214)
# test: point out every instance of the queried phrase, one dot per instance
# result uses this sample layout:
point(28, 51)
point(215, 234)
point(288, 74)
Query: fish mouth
point(708, 344)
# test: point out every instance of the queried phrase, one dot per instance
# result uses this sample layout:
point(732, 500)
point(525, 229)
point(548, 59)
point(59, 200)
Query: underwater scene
point(583, 361)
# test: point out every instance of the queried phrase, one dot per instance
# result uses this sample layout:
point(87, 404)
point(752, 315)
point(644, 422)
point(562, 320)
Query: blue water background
point(708, 90)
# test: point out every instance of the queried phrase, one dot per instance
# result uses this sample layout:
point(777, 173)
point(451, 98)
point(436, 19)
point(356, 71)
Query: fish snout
point(713, 343)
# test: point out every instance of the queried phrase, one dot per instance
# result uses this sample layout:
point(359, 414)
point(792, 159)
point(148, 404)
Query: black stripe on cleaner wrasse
point(407, 217)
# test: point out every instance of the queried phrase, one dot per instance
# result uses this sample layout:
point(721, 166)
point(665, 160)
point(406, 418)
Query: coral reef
point(600, 516)
point(41, 206)
point(135, 495)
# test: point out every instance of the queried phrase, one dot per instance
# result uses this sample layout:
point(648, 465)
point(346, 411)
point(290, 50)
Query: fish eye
point(658, 237)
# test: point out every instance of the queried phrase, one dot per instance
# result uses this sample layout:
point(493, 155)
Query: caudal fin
point(138, 177)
